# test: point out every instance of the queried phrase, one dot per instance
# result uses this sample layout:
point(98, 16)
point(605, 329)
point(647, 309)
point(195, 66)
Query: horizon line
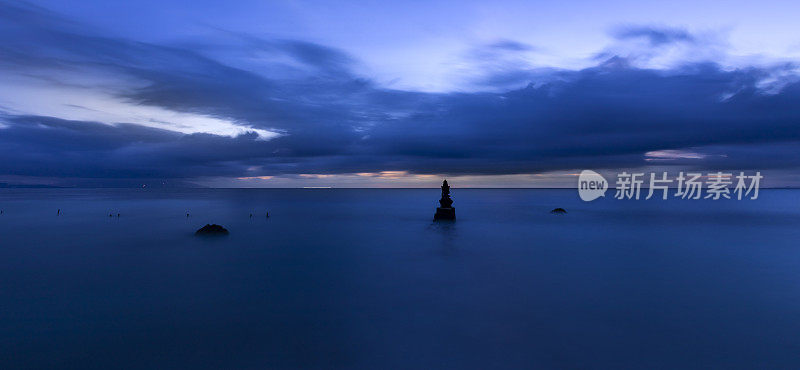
point(46, 187)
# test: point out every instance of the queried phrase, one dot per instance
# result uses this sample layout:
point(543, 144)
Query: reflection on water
point(447, 231)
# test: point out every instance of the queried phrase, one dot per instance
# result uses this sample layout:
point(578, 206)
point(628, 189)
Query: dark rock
point(559, 211)
point(212, 230)
point(446, 211)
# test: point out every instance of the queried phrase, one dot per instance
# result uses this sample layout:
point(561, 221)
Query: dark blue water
point(363, 279)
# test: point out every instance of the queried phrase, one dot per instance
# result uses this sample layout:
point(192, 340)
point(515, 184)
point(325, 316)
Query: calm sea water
point(364, 279)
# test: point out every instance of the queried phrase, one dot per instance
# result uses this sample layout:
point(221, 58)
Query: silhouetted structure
point(446, 211)
point(559, 211)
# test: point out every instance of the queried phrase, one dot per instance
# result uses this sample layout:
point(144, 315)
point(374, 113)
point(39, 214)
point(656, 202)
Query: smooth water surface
point(363, 279)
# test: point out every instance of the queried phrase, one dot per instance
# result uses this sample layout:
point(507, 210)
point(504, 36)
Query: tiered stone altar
point(446, 211)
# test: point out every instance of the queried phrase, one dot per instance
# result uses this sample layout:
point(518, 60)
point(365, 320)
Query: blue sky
point(322, 93)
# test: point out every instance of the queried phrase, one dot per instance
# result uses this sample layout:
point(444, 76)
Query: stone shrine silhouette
point(446, 211)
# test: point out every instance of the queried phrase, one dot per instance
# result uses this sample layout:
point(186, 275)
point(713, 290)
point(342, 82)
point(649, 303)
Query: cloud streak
point(656, 36)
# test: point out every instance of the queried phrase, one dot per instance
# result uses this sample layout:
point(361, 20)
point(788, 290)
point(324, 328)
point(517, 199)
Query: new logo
point(591, 185)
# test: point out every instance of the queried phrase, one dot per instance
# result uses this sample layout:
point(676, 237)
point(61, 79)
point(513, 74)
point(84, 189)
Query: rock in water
point(559, 211)
point(446, 211)
point(212, 230)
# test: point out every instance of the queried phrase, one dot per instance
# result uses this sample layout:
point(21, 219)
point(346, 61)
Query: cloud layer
point(238, 106)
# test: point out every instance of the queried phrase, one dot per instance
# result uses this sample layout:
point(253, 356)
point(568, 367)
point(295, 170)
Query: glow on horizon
point(399, 179)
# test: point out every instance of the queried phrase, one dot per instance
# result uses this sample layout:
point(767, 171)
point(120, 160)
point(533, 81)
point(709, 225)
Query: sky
point(394, 94)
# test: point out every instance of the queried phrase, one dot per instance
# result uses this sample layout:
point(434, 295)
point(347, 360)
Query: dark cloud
point(656, 36)
point(334, 121)
point(604, 116)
